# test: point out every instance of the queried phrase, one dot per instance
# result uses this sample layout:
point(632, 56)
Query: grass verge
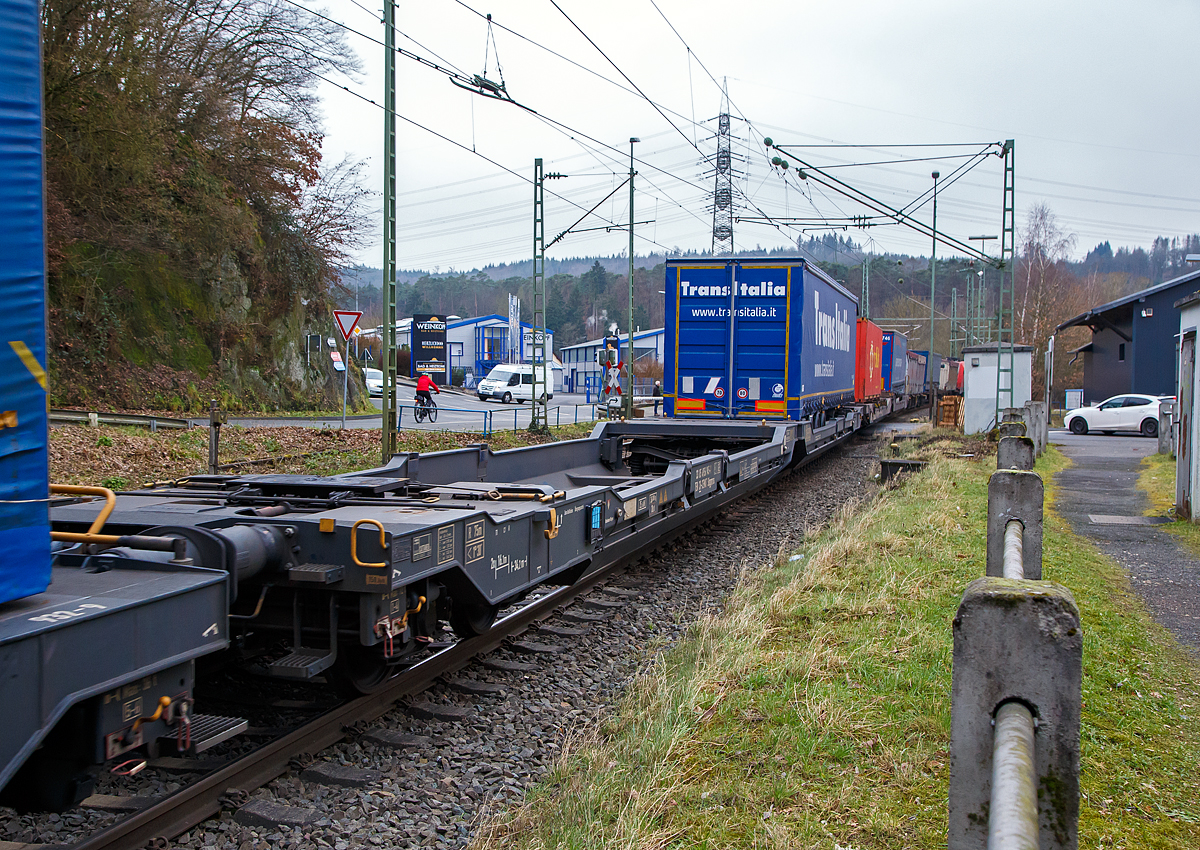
point(814, 712)
point(1157, 481)
point(121, 458)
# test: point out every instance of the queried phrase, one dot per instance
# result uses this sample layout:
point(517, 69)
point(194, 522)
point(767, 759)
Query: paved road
point(1098, 496)
point(456, 412)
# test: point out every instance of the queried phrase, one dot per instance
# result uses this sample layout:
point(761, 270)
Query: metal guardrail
point(95, 419)
point(1016, 694)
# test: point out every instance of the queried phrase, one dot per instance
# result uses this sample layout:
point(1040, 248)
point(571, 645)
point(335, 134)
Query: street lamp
point(932, 292)
point(629, 327)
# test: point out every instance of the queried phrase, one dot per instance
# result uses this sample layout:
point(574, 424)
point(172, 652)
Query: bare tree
point(334, 213)
point(1043, 281)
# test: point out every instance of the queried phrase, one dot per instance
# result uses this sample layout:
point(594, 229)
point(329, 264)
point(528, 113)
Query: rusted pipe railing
point(1016, 693)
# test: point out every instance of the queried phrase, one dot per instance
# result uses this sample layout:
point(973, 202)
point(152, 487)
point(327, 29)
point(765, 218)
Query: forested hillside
point(1050, 288)
point(193, 229)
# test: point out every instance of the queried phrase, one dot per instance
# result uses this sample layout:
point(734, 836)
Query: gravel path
point(1100, 488)
point(426, 772)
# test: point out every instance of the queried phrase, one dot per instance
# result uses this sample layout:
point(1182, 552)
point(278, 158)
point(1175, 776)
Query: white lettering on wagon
point(60, 616)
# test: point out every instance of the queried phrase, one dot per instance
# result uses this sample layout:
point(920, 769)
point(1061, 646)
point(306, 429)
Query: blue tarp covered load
point(24, 487)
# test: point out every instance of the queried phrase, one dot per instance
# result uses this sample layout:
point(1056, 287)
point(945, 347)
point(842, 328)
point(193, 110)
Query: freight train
point(108, 601)
point(776, 339)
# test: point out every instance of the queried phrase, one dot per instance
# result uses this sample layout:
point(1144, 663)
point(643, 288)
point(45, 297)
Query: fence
point(82, 417)
point(489, 420)
point(1018, 669)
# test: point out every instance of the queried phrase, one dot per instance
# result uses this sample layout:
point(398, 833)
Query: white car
point(513, 382)
point(373, 378)
point(1127, 412)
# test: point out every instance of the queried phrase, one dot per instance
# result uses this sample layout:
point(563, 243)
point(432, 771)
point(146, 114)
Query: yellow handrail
point(354, 542)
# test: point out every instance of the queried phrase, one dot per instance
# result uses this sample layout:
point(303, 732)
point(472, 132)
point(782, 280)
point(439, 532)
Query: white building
point(476, 345)
point(980, 365)
point(1187, 476)
point(581, 372)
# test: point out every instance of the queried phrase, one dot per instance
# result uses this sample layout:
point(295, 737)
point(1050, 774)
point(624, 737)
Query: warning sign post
point(347, 321)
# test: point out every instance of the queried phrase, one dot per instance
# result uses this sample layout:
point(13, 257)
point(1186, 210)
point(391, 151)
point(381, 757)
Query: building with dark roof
point(1133, 341)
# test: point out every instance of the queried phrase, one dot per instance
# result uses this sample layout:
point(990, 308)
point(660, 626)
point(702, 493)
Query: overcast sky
point(1094, 95)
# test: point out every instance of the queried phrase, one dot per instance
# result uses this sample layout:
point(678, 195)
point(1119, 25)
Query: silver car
point(1126, 412)
point(373, 378)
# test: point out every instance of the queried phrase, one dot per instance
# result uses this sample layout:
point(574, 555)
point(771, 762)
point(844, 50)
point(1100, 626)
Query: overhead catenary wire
point(562, 127)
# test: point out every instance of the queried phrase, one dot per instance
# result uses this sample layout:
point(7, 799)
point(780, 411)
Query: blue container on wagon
point(895, 362)
point(933, 371)
point(24, 475)
point(756, 338)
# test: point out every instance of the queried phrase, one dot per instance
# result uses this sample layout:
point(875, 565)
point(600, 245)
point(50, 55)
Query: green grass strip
point(815, 711)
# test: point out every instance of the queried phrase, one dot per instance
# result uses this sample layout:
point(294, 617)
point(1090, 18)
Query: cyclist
point(424, 383)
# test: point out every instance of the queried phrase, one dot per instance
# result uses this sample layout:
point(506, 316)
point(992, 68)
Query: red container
point(868, 372)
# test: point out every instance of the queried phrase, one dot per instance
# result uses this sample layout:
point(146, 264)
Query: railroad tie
point(267, 813)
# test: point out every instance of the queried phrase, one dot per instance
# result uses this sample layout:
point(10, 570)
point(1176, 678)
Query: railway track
point(203, 799)
point(230, 785)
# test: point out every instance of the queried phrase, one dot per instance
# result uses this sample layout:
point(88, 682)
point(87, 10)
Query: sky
point(1093, 94)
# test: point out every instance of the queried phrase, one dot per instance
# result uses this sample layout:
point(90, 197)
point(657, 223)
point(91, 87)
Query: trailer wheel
point(471, 619)
point(361, 670)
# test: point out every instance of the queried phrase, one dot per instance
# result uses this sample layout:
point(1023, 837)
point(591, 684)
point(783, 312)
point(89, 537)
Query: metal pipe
point(1014, 551)
point(110, 501)
point(1013, 814)
point(177, 546)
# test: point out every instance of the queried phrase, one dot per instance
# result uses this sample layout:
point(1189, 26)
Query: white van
point(514, 382)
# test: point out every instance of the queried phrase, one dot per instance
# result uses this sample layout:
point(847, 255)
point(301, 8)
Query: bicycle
point(423, 409)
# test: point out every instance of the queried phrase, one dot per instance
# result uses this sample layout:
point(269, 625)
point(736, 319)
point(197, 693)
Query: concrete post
point(1012, 414)
point(1038, 422)
point(1015, 642)
point(1012, 429)
point(1166, 413)
point(1015, 453)
point(1013, 494)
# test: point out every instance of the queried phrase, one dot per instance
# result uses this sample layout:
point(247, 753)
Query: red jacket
point(425, 383)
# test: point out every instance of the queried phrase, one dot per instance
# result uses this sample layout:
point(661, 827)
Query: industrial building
point(581, 372)
point(1133, 341)
point(477, 345)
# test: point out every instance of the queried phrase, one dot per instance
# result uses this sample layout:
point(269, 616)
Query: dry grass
point(127, 457)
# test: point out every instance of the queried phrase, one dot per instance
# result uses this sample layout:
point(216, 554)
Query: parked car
point(513, 381)
point(373, 378)
point(1127, 412)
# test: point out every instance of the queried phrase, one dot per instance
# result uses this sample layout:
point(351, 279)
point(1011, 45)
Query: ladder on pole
point(541, 365)
point(391, 397)
point(1005, 372)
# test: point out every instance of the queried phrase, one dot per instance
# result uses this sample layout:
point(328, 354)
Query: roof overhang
point(1095, 321)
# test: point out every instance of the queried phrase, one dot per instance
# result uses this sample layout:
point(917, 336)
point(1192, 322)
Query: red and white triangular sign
point(347, 320)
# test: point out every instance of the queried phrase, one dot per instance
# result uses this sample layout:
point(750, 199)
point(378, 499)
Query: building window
point(495, 342)
point(1121, 352)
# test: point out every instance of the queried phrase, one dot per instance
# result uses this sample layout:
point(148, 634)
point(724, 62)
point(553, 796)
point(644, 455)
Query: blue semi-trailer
point(895, 363)
point(24, 483)
point(756, 338)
